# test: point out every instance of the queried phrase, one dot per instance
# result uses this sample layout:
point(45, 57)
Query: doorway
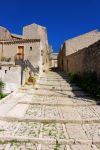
point(20, 54)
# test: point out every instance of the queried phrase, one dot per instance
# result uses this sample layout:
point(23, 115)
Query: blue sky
point(64, 19)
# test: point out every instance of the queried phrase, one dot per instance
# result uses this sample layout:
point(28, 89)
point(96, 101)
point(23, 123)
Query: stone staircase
point(54, 115)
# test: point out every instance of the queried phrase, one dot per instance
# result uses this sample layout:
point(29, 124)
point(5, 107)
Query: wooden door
point(21, 52)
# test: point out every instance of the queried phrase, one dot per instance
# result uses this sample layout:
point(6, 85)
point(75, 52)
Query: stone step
point(50, 132)
point(35, 146)
point(53, 113)
point(58, 88)
point(48, 120)
point(39, 140)
point(50, 141)
point(61, 93)
point(65, 104)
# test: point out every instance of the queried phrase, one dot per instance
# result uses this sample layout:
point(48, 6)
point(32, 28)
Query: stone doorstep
point(47, 120)
point(57, 104)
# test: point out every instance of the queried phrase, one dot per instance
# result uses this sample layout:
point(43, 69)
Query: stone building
point(32, 45)
point(54, 60)
point(81, 54)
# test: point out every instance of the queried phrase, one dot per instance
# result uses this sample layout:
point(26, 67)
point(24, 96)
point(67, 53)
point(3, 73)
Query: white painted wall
point(12, 78)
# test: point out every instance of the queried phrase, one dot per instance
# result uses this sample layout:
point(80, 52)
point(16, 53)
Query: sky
point(64, 19)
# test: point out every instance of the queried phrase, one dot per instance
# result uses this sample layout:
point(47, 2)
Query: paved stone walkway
point(52, 116)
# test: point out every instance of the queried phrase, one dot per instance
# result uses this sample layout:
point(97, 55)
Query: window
point(30, 48)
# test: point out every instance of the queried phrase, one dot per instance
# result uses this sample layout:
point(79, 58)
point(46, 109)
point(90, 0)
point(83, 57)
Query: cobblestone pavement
point(53, 115)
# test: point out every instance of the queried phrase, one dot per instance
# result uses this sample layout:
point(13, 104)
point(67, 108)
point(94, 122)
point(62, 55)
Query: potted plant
point(31, 80)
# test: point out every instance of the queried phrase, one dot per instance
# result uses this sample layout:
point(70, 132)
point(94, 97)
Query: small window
point(30, 48)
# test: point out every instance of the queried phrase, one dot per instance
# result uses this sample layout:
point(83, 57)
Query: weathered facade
point(38, 32)
point(81, 54)
point(30, 50)
point(32, 45)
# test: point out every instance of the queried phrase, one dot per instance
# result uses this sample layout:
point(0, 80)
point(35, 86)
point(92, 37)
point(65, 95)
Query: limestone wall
point(80, 54)
point(87, 59)
point(82, 41)
point(33, 55)
point(35, 31)
point(61, 58)
point(10, 50)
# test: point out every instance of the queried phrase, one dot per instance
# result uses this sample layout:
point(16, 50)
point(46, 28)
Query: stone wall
point(62, 58)
point(35, 31)
point(87, 59)
point(82, 41)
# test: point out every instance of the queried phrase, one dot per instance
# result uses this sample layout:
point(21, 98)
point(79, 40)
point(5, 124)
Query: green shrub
point(74, 78)
point(2, 95)
point(98, 91)
point(88, 82)
point(8, 59)
point(1, 86)
point(5, 59)
point(31, 80)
